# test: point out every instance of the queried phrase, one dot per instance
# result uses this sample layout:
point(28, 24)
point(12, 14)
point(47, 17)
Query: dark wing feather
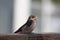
point(20, 29)
point(25, 26)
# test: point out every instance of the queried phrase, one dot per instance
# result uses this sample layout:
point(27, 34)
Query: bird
point(28, 27)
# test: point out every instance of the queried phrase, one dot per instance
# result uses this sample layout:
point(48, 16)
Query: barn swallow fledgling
point(28, 27)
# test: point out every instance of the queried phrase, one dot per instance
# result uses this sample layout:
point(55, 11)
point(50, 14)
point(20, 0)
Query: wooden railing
point(51, 36)
point(20, 37)
point(29, 36)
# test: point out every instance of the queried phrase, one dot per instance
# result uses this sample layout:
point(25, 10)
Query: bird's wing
point(21, 28)
point(24, 27)
point(30, 29)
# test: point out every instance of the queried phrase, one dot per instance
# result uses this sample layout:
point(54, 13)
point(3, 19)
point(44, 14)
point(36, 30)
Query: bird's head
point(33, 18)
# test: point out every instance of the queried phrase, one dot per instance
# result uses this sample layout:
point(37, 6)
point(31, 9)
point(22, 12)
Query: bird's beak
point(36, 17)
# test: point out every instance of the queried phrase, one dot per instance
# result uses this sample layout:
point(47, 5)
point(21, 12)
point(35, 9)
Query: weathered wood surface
point(20, 37)
point(29, 36)
point(51, 36)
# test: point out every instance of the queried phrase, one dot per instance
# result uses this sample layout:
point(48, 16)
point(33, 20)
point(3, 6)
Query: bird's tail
point(18, 31)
